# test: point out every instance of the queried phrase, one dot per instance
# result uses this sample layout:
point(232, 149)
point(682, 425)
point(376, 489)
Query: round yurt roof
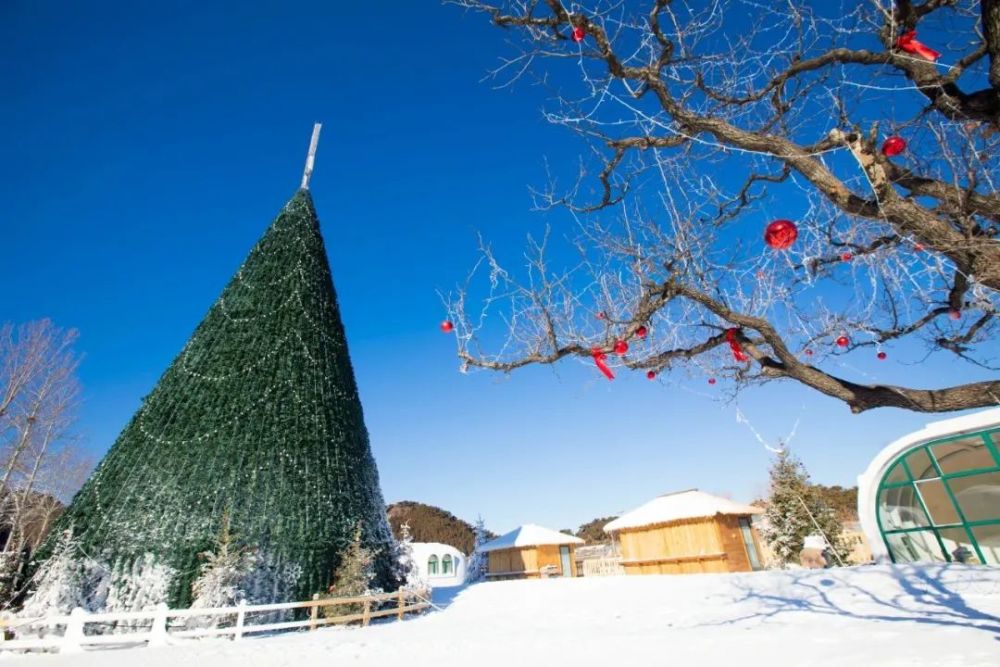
point(529, 535)
point(693, 504)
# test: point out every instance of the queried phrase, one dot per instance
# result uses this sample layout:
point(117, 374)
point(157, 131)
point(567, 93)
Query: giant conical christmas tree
point(258, 420)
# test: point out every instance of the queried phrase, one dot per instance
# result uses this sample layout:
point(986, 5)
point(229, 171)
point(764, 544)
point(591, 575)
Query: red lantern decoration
point(955, 314)
point(651, 375)
point(843, 341)
point(881, 356)
point(847, 257)
point(641, 332)
point(578, 34)
point(600, 360)
point(621, 347)
point(447, 326)
point(711, 380)
point(908, 42)
point(781, 234)
point(893, 146)
point(734, 345)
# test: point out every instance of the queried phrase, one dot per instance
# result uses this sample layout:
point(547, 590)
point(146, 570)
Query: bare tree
point(704, 121)
point(39, 466)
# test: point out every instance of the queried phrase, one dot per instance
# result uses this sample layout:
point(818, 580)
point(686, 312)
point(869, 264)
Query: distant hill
point(432, 524)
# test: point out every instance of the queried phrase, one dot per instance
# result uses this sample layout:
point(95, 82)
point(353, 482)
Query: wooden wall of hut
point(527, 562)
point(686, 547)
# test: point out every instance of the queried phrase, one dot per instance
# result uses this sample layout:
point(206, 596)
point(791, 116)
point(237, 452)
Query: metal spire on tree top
point(311, 156)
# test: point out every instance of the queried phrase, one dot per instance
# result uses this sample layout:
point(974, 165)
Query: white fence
point(162, 631)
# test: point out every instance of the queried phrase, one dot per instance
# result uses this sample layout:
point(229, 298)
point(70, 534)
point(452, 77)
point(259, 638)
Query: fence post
point(366, 614)
point(402, 604)
point(73, 638)
point(158, 631)
point(241, 615)
point(314, 613)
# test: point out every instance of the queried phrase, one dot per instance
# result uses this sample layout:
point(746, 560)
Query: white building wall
point(422, 553)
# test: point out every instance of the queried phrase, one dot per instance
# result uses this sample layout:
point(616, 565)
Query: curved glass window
point(941, 501)
point(446, 564)
point(432, 565)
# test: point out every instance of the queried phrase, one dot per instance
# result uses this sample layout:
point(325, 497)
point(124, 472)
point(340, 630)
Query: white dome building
point(440, 565)
point(934, 495)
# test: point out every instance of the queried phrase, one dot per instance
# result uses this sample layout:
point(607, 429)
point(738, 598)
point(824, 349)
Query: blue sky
point(145, 147)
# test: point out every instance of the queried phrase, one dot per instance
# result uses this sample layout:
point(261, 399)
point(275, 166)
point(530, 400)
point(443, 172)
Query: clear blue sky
point(145, 146)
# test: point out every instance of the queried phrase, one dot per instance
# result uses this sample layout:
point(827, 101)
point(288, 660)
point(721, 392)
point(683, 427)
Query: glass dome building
point(934, 495)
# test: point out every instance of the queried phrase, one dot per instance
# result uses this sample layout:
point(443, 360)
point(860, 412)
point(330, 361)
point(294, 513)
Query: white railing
point(74, 636)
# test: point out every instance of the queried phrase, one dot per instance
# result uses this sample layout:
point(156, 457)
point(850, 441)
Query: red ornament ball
point(919, 247)
point(641, 332)
point(893, 146)
point(847, 257)
point(711, 380)
point(601, 315)
point(843, 341)
point(781, 234)
point(651, 375)
point(955, 314)
point(809, 353)
point(621, 347)
point(578, 34)
point(447, 326)
point(881, 356)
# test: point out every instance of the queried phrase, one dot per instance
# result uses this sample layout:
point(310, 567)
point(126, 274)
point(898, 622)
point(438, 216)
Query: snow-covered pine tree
point(259, 413)
point(794, 510)
point(410, 576)
point(478, 563)
point(353, 577)
point(67, 580)
point(222, 577)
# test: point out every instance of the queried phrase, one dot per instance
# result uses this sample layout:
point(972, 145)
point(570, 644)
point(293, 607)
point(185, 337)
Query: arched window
point(446, 564)
point(432, 565)
point(940, 501)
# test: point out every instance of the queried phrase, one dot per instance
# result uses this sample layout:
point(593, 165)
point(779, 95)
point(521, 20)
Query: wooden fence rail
point(74, 636)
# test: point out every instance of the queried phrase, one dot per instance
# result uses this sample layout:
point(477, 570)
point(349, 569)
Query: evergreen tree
point(479, 560)
point(409, 572)
point(258, 413)
point(222, 577)
point(353, 577)
point(794, 509)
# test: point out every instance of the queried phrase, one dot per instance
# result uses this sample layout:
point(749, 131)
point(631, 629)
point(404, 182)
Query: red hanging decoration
point(601, 315)
point(578, 34)
point(641, 332)
point(447, 326)
point(781, 234)
point(711, 380)
point(955, 314)
point(847, 257)
point(621, 347)
point(881, 356)
point(919, 247)
point(734, 345)
point(843, 341)
point(599, 360)
point(908, 42)
point(651, 375)
point(809, 353)
point(893, 146)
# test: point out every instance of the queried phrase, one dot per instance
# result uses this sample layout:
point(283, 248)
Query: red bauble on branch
point(641, 332)
point(621, 347)
point(651, 375)
point(908, 42)
point(955, 314)
point(781, 234)
point(601, 315)
point(881, 356)
point(711, 380)
point(447, 326)
point(847, 257)
point(600, 360)
point(843, 341)
point(578, 34)
point(893, 146)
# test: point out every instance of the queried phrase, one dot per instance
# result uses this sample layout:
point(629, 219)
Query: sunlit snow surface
point(877, 615)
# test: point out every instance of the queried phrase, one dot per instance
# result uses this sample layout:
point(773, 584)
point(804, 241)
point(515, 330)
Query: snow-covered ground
point(905, 615)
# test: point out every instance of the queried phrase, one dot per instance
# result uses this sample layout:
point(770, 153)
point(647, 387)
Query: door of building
point(567, 565)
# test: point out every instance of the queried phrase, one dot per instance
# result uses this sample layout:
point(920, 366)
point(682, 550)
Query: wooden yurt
point(686, 533)
point(530, 552)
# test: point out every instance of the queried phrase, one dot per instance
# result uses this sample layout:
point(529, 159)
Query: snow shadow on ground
point(931, 595)
point(443, 597)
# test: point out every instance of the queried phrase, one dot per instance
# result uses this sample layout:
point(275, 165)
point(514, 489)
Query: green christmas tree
point(257, 420)
point(795, 510)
